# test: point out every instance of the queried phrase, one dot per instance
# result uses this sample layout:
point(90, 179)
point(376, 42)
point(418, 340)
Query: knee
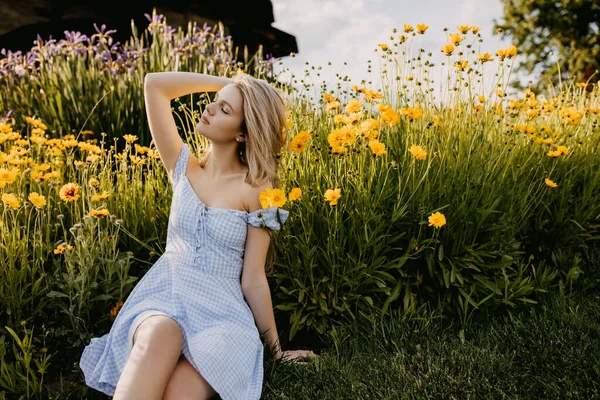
point(158, 332)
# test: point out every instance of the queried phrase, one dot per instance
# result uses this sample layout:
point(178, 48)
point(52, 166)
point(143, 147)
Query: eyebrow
point(229, 105)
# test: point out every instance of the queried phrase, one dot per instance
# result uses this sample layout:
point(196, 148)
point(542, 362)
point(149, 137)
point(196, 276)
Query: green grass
point(550, 350)
point(547, 351)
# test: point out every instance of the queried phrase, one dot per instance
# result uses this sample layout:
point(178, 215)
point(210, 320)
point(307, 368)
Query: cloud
point(332, 31)
point(339, 31)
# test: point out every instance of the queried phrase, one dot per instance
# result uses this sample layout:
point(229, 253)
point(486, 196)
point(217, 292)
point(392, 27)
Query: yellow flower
point(332, 196)
point(508, 52)
point(272, 198)
point(10, 200)
point(354, 117)
point(353, 106)
point(408, 28)
point(418, 152)
point(130, 138)
point(70, 143)
point(99, 213)
point(340, 119)
point(61, 248)
point(455, 38)
point(298, 143)
point(563, 150)
point(368, 128)
point(410, 112)
point(52, 175)
point(69, 192)
point(36, 123)
point(38, 139)
point(511, 51)
point(331, 106)
point(95, 157)
point(484, 57)
point(383, 46)
point(475, 29)
point(448, 48)
point(135, 160)
point(481, 98)
point(303, 136)
point(421, 28)
point(377, 147)
point(8, 176)
point(553, 153)
point(461, 64)
point(18, 151)
point(100, 197)
point(289, 123)
point(5, 127)
point(338, 137)
point(153, 153)
point(297, 146)
point(42, 167)
point(93, 182)
point(550, 183)
point(294, 194)
point(37, 199)
point(388, 115)
point(140, 149)
point(437, 219)
point(329, 97)
point(463, 28)
point(372, 95)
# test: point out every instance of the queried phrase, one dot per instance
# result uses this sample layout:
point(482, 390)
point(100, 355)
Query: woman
point(185, 331)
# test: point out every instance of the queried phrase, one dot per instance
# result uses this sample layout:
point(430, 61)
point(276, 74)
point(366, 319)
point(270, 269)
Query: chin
point(200, 129)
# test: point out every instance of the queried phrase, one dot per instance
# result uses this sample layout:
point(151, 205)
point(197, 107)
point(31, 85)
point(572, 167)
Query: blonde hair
point(265, 129)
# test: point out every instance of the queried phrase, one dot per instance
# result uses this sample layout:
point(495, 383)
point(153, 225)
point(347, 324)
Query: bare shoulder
point(252, 195)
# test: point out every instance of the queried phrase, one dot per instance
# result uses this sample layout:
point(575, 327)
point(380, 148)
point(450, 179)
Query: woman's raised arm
point(159, 89)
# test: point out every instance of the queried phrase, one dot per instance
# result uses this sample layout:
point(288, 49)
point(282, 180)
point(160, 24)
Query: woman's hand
point(295, 355)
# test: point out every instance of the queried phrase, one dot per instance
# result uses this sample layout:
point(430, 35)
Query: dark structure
point(248, 22)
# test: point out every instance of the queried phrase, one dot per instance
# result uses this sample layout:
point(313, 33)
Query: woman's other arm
point(159, 89)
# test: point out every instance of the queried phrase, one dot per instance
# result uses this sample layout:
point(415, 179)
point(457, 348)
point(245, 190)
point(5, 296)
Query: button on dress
point(197, 283)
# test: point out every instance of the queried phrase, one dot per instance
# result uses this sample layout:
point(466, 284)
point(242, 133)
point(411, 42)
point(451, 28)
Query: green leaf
point(392, 297)
point(54, 293)
point(102, 297)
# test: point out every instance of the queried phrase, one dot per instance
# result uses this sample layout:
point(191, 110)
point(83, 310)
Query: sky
point(339, 31)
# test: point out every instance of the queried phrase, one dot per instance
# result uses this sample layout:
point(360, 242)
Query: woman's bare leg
point(157, 346)
point(187, 384)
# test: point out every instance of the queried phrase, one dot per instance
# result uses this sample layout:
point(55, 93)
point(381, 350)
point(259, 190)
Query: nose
point(209, 109)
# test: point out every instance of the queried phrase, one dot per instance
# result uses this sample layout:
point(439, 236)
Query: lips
point(205, 120)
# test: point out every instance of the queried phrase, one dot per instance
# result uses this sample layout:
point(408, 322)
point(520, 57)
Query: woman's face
point(222, 119)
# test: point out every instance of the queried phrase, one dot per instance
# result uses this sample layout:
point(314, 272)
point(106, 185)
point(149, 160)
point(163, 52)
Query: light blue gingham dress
point(196, 282)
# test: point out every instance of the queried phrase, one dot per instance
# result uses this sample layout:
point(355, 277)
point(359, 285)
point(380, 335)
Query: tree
point(553, 34)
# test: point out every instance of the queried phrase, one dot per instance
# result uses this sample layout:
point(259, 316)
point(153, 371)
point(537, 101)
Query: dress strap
point(272, 218)
point(181, 164)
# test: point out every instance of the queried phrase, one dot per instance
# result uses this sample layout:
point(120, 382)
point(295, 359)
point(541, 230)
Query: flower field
point(433, 192)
